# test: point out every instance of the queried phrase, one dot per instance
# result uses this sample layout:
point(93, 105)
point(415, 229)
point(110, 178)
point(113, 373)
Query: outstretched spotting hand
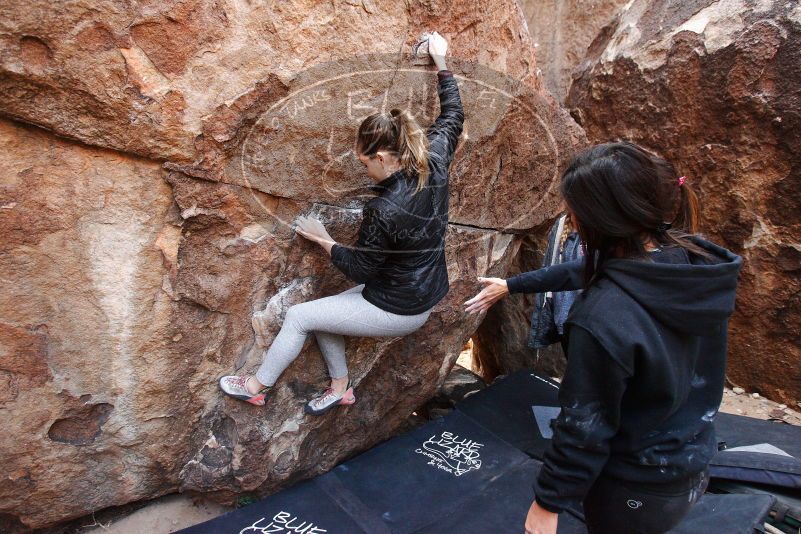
point(494, 290)
point(313, 230)
point(540, 521)
point(437, 48)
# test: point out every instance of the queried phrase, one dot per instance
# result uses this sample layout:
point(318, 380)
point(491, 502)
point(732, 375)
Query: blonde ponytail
point(412, 146)
point(396, 132)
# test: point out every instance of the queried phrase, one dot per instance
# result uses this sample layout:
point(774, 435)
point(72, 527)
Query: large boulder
point(144, 77)
point(713, 86)
point(85, 330)
point(147, 219)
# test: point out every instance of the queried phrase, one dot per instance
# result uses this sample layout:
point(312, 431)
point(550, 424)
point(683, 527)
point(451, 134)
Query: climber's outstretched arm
point(568, 276)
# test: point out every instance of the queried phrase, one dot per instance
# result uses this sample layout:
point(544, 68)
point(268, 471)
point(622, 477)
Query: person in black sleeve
point(646, 347)
point(398, 260)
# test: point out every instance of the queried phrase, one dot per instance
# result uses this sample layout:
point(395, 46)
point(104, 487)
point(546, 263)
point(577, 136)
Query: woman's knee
point(294, 315)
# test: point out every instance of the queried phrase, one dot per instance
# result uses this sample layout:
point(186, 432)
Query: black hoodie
point(646, 348)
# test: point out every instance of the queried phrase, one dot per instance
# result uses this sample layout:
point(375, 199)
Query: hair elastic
point(682, 179)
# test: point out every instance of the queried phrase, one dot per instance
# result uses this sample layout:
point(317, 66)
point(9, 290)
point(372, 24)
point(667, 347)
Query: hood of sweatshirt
point(695, 297)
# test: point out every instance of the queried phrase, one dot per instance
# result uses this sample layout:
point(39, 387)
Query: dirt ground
point(738, 402)
point(167, 514)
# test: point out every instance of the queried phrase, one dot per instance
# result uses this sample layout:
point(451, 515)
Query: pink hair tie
point(682, 179)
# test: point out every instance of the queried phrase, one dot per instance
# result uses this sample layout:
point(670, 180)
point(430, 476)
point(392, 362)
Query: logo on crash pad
point(283, 522)
point(451, 453)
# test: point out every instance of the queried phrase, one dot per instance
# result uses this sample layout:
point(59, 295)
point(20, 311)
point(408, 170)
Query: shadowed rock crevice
point(82, 426)
point(12, 525)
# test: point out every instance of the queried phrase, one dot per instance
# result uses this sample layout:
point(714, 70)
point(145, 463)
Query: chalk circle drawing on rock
point(303, 146)
point(452, 453)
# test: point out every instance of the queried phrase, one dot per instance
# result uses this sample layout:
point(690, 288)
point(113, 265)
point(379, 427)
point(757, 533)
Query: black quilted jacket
point(400, 252)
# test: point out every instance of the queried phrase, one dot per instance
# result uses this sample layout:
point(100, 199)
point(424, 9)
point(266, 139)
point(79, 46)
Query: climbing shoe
point(329, 400)
point(235, 387)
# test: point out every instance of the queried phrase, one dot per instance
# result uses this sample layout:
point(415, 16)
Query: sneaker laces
point(242, 382)
point(321, 401)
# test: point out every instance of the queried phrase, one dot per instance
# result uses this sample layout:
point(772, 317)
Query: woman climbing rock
point(646, 347)
point(399, 257)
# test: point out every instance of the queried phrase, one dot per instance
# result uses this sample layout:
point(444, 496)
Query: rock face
point(144, 78)
point(563, 31)
point(713, 86)
point(84, 328)
point(149, 220)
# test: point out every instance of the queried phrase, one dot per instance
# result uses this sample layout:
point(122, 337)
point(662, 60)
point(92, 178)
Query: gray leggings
point(330, 318)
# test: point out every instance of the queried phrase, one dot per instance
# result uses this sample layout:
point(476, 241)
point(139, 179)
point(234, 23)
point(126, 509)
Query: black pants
point(619, 507)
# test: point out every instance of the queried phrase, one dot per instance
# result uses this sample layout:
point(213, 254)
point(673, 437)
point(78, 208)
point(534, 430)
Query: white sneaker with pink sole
point(235, 386)
point(328, 400)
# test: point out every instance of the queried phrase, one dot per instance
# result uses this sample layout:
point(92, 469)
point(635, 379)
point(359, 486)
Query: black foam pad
point(738, 431)
point(501, 507)
point(413, 480)
point(305, 507)
point(726, 514)
point(766, 465)
point(517, 408)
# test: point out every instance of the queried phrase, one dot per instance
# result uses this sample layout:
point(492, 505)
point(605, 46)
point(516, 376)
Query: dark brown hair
point(621, 195)
point(399, 133)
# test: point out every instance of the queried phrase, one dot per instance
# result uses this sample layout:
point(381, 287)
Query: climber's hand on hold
point(437, 48)
point(313, 230)
point(494, 290)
